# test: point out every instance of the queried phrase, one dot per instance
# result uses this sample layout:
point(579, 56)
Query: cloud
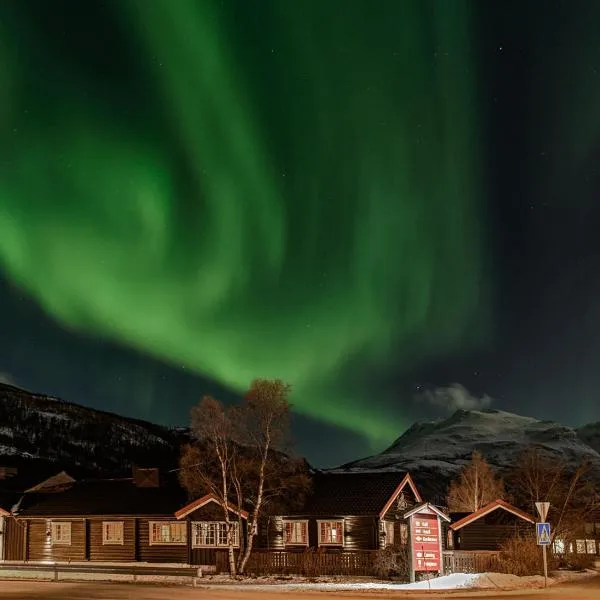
point(454, 397)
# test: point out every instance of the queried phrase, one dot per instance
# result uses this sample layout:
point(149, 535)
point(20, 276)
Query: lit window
point(559, 546)
point(61, 533)
point(213, 534)
point(331, 533)
point(295, 533)
point(590, 546)
point(580, 546)
point(112, 532)
point(167, 532)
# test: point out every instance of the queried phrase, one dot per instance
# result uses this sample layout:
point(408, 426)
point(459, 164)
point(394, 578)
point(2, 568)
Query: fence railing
point(308, 564)
point(464, 561)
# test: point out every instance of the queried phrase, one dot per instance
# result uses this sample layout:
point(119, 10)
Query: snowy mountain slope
point(443, 447)
point(34, 427)
point(590, 434)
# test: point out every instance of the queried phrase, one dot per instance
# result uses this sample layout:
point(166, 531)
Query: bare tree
point(476, 486)
point(215, 468)
point(539, 477)
point(265, 420)
point(239, 457)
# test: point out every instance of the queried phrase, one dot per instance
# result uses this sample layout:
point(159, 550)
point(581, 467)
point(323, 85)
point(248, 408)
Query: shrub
point(520, 555)
point(392, 562)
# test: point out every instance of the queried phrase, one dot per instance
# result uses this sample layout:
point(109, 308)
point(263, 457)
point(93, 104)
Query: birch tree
point(476, 486)
point(211, 466)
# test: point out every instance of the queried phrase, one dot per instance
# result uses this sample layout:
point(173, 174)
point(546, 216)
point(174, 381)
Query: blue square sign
point(543, 534)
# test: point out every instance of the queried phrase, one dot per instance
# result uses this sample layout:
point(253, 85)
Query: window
point(112, 532)
point(403, 534)
point(388, 532)
point(167, 532)
point(295, 533)
point(331, 533)
point(61, 533)
point(213, 534)
point(580, 546)
point(590, 546)
point(559, 546)
point(450, 539)
point(589, 529)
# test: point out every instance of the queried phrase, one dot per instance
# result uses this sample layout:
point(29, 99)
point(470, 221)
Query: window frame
point(170, 524)
point(219, 541)
point(120, 525)
point(294, 522)
point(330, 522)
point(57, 525)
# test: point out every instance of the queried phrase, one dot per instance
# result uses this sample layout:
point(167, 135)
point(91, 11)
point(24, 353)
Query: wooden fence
point(457, 561)
point(308, 564)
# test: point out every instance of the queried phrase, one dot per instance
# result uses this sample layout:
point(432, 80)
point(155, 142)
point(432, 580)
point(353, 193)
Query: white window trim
point(120, 527)
point(294, 521)
point(334, 544)
point(53, 526)
point(170, 523)
point(236, 534)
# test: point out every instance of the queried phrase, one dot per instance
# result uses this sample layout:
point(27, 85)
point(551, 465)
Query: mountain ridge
point(444, 446)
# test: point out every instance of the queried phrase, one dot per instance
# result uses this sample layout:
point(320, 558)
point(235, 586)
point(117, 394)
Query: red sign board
point(425, 542)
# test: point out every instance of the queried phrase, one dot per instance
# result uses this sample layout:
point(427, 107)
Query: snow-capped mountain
point(38, 428)
point(443, 447)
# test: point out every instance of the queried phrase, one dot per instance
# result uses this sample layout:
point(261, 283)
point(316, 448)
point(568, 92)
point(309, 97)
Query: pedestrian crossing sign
point(543, 534)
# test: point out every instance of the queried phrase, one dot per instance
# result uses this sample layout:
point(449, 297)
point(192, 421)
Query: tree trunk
point(253, 522)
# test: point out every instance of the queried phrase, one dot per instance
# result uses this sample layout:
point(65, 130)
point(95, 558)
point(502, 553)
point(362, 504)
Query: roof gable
point(429, 509)
point(485, 510)
point(200, 502)
point(55, 482)
point(406, 481)
point(4, 513)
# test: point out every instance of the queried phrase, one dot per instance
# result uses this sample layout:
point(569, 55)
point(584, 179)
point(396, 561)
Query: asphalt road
point(29, 590)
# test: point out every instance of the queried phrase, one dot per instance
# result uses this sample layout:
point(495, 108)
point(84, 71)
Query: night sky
point(367, 199)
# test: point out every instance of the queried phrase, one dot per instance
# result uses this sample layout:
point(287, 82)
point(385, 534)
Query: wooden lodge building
point(133, 519)
point(487, 528)
point(346, 511)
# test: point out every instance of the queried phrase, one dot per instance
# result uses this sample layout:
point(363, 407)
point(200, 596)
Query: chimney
point(145, 478)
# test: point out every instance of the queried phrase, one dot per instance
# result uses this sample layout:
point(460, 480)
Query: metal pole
point(545, 566)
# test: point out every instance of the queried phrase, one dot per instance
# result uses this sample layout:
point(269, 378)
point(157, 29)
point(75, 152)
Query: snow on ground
point(448, 582)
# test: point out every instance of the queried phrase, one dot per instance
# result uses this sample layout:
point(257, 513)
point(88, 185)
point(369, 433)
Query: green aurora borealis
point(271, 191)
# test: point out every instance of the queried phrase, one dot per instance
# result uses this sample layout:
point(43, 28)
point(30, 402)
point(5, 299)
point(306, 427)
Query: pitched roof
point(56, 481)
point(427, 508)
point(200, 502)
point(488, 508)
point(353, 493)
point(104, 497)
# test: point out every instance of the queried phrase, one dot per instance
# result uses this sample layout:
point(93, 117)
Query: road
point(29, 590)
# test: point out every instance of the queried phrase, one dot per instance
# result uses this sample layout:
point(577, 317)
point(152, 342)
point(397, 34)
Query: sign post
point(543, 534)
point(425, 526)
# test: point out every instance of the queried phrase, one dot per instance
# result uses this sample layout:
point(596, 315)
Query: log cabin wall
point(490, 533)
point(41, 547)
point(395, 514)
point(14, 539)
point(168, 553)
point(360, 533)
point(211, 511)
point(113, 552)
